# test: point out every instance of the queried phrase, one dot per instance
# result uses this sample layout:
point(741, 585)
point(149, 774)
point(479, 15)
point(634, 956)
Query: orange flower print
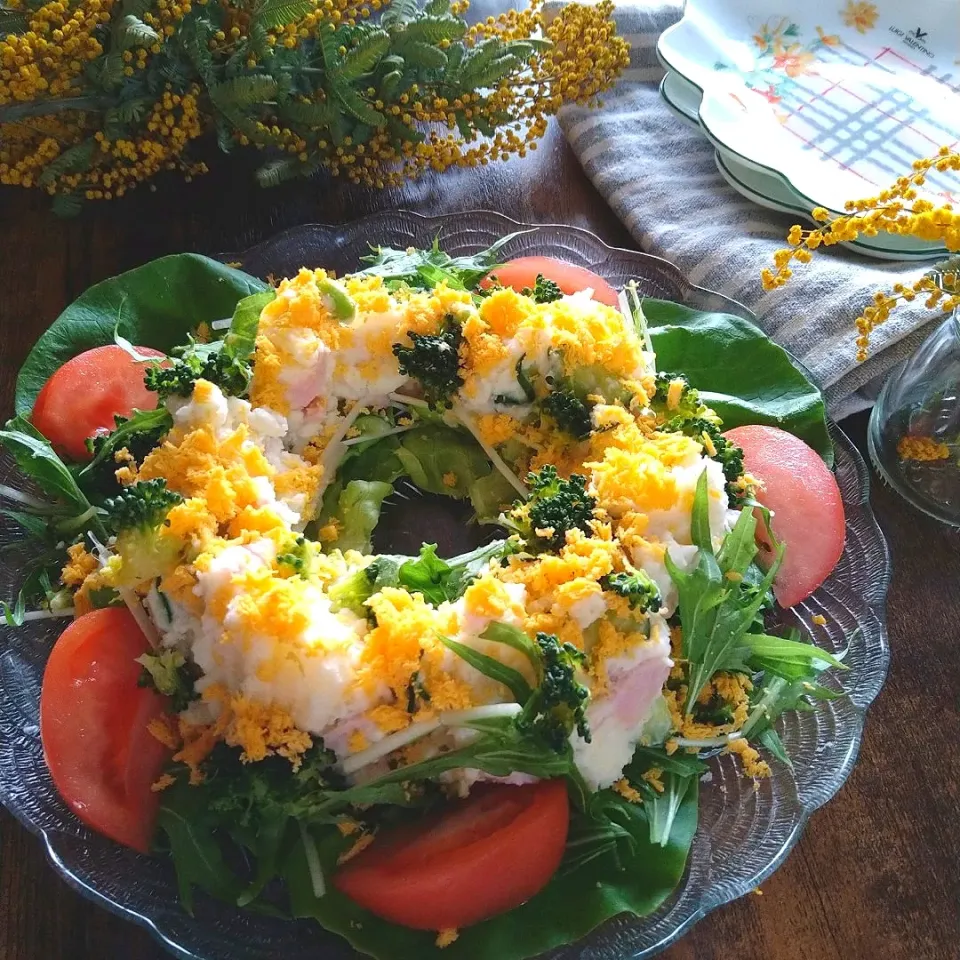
point(794, 61)
point(828, 39)
point(860, 14)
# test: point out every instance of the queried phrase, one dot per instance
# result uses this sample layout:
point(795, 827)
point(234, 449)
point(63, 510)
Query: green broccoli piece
point(717, 447)
point(137, 517)
point(171, 675)
point(558, 706)
point(571, 413)
point(434, 362)
point(199, 361)
point(637, 586)
point(689, 415)
point(556, 506)
point(675, 398)
point(299, 557)
point(143, 506)
point(543, 291)
point(351, 593)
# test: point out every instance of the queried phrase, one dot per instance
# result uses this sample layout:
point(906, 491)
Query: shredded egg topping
point(280, 665)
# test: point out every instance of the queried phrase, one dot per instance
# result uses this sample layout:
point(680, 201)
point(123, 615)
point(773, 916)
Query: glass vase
point(914, 434)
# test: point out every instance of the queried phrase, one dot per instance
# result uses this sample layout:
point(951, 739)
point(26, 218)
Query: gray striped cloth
point(659, 176)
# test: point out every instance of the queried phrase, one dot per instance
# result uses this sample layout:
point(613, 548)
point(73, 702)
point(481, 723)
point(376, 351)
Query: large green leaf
point(739, 371)
point(575, 901)
point(155, 305)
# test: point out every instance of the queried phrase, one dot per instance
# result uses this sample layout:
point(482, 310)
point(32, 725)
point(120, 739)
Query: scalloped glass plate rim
point(163, 917)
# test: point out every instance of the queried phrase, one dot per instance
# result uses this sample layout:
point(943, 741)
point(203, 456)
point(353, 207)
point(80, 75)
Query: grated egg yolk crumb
point(446, 936)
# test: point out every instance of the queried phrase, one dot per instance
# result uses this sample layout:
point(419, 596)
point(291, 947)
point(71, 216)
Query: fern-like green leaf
point(278, 13)
point(494, 72)
point(130, 111)
point(319, 115)
point(66, 205)
point(275, 172)
point(365, 56)
point(436, 8)
point(244, 91)
point(423, 55)
point(13, 21)
point(482, 55)
point(357, 107)
point(390, 85)
point(195, 37)
point(111, 70)
point(399, 12)
point(455, 54)
point(435, 29)
point(361, 133)
point(259, 39)
point(130, 31)
point(75, 160)
point(329, 50)
point(403, 132)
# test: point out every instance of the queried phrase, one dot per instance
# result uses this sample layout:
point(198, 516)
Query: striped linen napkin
point(658, 175)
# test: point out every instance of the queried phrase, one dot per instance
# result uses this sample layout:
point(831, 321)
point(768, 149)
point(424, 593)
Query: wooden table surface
point(877, 873)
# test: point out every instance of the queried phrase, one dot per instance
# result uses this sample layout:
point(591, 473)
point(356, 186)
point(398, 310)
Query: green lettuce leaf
point(434, 451)
point(740, 372)
point(358, 510)
point(155, 305)
point(633, 877)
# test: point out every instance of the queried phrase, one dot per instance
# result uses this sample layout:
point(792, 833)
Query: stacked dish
point(820, 102)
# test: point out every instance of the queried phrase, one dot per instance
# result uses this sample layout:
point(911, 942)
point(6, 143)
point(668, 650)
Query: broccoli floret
point(143, 506)
point(544, 290)
point(299, 558)
point(434, 362)
point(558, 705)
point(717, 447)
point(170, 674)
point(679, 408)
point(674, 397)
point(637, 587)
point(352, 592)
point(199, 361)
point(571, 413)
point(137, 517)
point(556, 506)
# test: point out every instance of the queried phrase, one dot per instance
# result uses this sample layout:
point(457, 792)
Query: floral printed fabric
point(659, 176)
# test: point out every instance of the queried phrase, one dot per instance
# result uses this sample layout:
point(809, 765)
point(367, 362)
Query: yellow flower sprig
point(900, 210)
point(98, 96)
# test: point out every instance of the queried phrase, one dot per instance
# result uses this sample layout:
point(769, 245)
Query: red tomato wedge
point(93, 725)
point(803, 495)
point(523, 272)
point(82, 397)
point(477, 858)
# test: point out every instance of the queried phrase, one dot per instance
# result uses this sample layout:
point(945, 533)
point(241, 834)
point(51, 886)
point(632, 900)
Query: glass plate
point(744, 833)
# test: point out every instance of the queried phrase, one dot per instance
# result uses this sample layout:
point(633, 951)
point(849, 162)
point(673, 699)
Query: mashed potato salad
point(420, 752)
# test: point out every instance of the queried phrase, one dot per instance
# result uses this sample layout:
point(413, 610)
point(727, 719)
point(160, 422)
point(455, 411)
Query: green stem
point(41, 108)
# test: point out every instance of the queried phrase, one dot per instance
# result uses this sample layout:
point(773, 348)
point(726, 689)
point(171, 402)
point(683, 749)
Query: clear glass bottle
point(914, 434)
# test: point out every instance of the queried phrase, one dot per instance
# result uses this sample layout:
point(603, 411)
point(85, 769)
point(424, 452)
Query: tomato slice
point(803, 495)
point(523, 272)
point(82, 397)
point(93, 725)
point(479, 857)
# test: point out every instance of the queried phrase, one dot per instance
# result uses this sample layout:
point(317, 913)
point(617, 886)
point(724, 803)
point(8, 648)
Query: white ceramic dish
point(772, 191)
point(837, 96)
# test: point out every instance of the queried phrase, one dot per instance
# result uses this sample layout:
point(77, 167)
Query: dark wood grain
point(877, 873)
